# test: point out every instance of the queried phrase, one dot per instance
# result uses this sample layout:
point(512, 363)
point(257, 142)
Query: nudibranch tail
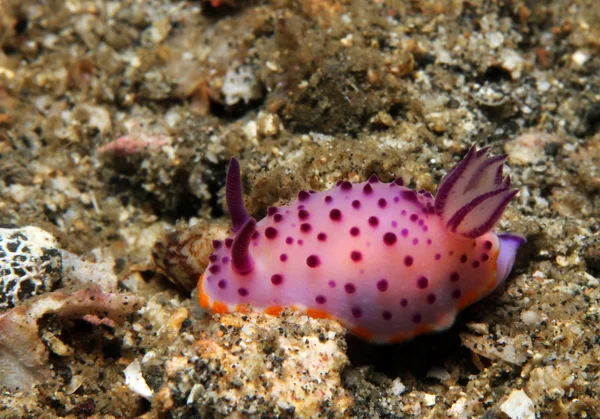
point(233, 194)
point(509, 245)
point(241, 260)
point(472, 196)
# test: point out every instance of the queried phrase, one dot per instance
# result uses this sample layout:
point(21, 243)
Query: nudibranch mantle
point(387, 262)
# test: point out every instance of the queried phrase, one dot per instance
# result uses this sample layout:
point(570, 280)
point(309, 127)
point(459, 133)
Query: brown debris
point(23, 355)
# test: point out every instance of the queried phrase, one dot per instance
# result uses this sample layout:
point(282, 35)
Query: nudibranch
point(386, 261)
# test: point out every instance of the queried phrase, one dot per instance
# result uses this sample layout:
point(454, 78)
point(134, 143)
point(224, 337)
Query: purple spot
point(404, 232)
point(429, 241)
point(425, 228)
point(409, 195)
point(373, 221)
point(421, 222)
point(454, 277)
point(398, 181)
point(214, 269)
point(389, 238)
point(242, 292)
point(386, 315)
point(335, 214)
point(331, 284)
point(212, 257)
point(346, 185)
point(303, 214)
point(475, 264)
point(396, 199)
point(283, 257)
point(354, 231)
point(437, 256)
point(417, 318)
point(350, 288)
point(289, 240)
point(313, 261)
point(228, 242)
point(367, 189)
point(303, 196)
point(484, 257)
point(403, 303)
point(272, 211)
point(217, 244)
point(356, 256)
point(414, 217)
point(328, 199)
point(225, 259)
point(300, 207)
point(422, 282)
point(382, 285)
point(456, 294)
point(463, 259)
point(487, 245)
point(403, 212)
point(356, 204)
point(356, 312)
point(320, 299)
point(277, 218)
point(373, 179)
point(382, 203)
point(321, 237)
point(408, 260)
point(300, 242)
point(305, 227)
point(394, 224)
point(431, 298)
point(276, 279)
point(270, 233)
point(451, 252)
point(222, 284)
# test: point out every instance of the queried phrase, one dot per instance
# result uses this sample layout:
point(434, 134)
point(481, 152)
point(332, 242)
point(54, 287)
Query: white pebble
point(531, 318)
point(518, 406)
point(397, 387)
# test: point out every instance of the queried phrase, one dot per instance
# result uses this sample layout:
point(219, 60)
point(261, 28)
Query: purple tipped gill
point(241, 261)
point(450, 180)
point(478, 175)
point(509, 245)
point(473, 195)
point(233, 194)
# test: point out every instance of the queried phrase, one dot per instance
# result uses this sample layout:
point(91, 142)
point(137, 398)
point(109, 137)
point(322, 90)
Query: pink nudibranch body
point(388, 262)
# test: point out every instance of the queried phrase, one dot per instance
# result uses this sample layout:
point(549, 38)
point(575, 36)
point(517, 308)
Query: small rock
point(30, 264)
point(518, 406)
point(529, 148)
point(439, 373)
point(397, 387)
point(580, 57)
point(479, 328)
point(531, 318)
point(135, 381)
point(429, 399)
point(240, 84)
point(512, 62)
